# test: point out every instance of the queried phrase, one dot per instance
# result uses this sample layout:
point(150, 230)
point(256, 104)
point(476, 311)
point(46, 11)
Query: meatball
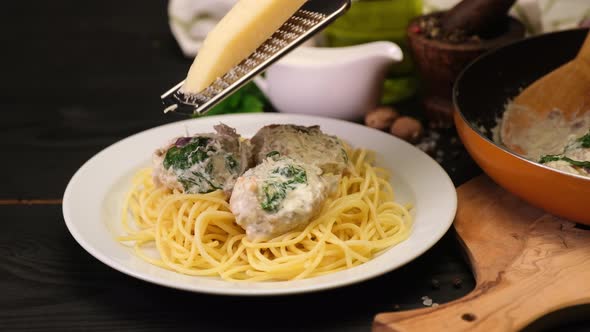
point(277, 196)
point(202, 163)
point(306, 144)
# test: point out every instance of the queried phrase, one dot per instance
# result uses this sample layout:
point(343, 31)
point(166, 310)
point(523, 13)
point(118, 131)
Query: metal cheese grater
point(313, 16)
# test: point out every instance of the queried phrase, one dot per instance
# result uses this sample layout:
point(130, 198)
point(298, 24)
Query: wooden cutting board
point(526, 263)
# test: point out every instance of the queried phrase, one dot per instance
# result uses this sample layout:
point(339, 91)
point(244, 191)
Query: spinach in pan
point(585, 140)
point(577, 163)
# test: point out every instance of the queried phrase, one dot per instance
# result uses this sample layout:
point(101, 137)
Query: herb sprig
point(248, 99)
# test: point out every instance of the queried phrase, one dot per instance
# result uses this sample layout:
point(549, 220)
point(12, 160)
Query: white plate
point(92, 202)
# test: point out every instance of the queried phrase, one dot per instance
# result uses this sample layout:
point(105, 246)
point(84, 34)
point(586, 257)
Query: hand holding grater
point(312, 17)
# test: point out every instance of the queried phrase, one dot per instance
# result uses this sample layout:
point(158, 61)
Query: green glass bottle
point(373, 20)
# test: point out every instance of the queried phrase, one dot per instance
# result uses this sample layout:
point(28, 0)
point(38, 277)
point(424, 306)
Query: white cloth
point(563, 14)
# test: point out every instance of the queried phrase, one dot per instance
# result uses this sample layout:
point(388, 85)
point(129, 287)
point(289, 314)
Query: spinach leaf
point(273, 195)
point(577, 163)
point(209, 168)
point(295, 174)
point(585, 140)
point(344, 155)
point(273, 154)
point(231, 163)
point(188, 155)
point(275, 189)
point(198, 181)
point(548, 158)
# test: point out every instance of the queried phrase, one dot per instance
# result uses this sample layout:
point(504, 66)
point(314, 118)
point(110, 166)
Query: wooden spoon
point(567, 89)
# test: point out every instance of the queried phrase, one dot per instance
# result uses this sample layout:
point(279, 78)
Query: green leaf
point(344, 155)
point(230, 162)
point(396, 89)
point(198, 180)
point(295, 174)
point(248, 99)
point(274, 190)
point(273, 195)
point(577, 163)
point(273, 154)
point(585, 140)
point(252, 104)
point(548, 158)
point(188, 155)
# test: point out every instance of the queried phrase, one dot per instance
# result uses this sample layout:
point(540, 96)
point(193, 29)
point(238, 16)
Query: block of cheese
point(239, 33)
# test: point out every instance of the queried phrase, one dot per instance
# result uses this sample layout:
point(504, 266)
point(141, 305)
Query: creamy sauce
point(548, 135)
point(575, 152)
point(292, 202)
point(202, 163)
point(296, 169)
point(566, 167)
point(306, 144)
point(553, 135)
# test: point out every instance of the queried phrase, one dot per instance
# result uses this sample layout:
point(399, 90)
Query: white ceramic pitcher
point(338, 82)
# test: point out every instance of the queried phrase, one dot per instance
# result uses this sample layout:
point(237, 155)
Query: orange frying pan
point(480, 95)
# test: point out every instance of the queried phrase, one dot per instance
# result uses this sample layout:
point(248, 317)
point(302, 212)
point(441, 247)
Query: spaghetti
point(196, 234)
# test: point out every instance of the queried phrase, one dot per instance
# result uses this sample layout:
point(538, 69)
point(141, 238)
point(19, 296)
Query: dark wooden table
point(76, 77)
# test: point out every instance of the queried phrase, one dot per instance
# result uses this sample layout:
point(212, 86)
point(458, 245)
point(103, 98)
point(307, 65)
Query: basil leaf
point(248, 99)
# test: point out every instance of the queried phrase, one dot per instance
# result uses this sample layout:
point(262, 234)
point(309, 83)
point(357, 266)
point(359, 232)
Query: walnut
point(407, 128)
point(381, 118)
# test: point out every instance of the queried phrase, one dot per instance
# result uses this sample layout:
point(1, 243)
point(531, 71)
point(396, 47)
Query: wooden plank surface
point(50, 283)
